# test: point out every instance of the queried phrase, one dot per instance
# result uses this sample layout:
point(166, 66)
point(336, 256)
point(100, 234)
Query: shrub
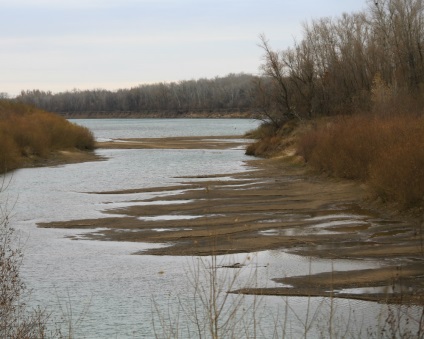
point(398, 174)
point(27, 132)
point(387, 152)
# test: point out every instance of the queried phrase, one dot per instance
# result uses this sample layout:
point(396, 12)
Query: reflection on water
point(386, 290)
point(102, 281)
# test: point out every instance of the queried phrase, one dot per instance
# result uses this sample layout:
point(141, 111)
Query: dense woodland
point(232, 93)
point(360, 62)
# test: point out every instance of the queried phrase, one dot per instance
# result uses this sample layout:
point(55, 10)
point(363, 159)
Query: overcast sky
point(60, 45)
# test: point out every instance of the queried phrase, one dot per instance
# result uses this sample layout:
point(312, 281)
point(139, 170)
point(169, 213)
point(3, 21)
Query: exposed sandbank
point(276, 205)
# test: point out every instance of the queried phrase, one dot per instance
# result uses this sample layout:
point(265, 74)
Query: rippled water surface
point(100, 287)
point(156, 128)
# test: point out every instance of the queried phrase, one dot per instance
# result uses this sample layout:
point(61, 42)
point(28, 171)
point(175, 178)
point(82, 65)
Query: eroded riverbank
point(275, 205)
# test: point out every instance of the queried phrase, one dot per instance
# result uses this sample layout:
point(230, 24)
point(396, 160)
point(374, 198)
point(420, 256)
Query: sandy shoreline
point(277, 205)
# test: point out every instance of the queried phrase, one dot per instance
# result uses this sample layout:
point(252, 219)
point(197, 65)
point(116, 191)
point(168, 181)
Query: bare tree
point(281, 106)
point(398, 28)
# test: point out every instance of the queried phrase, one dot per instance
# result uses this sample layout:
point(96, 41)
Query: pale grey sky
point(60, 45)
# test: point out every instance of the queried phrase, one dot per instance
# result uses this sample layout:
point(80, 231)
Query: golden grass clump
point(385, 152)
point(27, 132)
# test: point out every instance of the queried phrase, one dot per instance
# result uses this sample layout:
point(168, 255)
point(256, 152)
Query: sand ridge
point(278, 204)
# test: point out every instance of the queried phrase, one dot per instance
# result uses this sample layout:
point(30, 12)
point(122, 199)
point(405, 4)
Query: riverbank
point(277, 204)
point(383, 151)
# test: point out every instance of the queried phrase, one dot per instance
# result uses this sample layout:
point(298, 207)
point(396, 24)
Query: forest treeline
point(221, 95)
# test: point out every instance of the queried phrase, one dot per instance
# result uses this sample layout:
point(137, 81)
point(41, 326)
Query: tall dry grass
point(27, 132)
point(386, 152)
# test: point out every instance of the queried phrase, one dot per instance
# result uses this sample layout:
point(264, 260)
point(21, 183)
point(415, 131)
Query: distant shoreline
point(160, 115)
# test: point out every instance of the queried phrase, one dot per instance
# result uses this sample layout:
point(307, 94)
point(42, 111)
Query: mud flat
point(276, 205)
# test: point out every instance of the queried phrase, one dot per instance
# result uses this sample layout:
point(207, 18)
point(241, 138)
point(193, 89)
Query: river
point(104, 291)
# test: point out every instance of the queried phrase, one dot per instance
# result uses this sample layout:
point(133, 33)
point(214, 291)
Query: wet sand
point(276, 205)
point(63, 157)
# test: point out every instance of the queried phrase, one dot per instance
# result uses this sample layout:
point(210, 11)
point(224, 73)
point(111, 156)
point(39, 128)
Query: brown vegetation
point(387, 153)
point(28, 134)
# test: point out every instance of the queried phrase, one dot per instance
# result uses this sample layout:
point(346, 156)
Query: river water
point(104, 291)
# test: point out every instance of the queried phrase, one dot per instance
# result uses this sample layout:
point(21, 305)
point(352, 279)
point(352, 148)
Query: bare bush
point(212, 311)
point(16, 320)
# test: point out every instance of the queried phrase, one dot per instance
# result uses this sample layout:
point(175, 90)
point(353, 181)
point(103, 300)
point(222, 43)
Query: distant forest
point(229, 95)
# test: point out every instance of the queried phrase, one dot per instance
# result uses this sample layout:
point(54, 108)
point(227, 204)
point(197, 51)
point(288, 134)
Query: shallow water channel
point(105, 292)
